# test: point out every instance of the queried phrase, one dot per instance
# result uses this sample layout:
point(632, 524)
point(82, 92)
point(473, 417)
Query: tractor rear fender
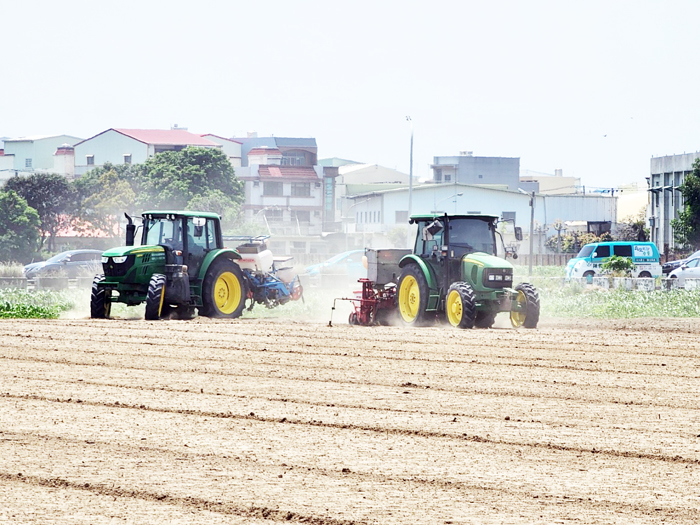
point(434, 297)
point(226, 253)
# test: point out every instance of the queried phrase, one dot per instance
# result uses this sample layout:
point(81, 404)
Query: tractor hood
point(121, 251)
point(485, 260)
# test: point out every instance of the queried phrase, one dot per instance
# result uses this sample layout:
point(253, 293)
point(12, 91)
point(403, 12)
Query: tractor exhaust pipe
point(130, 231)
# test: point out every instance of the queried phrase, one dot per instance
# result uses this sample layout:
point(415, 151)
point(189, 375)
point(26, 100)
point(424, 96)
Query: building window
point(90, 160)
point(27, 163)
point(448, 177)
point(481, 176)
point(303, 216)
point(272, 189)
point(438, 175)
point(293, 158)
point(127, 158)
point(508, 216)
point(301, 189)
point(274, 215)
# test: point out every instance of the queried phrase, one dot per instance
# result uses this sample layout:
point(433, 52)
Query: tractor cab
point(186, 238)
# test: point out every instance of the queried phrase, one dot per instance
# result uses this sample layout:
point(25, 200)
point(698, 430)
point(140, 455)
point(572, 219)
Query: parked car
point(690, 269)
point(346, 267)
point(669, 266)
point(72, 264)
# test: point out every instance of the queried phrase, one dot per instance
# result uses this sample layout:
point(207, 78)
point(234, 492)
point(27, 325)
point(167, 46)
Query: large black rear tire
point(155, 296)
point(100, 305)
point(460, 305)
point(412, 296)
point(484, 319)
point(530, 299)
point(224, 290)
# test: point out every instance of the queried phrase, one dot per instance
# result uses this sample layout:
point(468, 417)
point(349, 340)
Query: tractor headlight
point(105, 260)
point(492, 277)
point(508, 277)
point(119, 260)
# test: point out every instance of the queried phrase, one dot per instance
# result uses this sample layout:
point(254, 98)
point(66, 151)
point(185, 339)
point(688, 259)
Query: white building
point(133, 146)
point(27, 155)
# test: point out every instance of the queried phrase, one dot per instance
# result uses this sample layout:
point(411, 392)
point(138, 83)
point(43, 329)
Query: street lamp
point(532, 224)
point(410, 171)
point(448, 198)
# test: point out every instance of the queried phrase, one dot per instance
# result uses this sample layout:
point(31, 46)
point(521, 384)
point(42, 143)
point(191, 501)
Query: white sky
point(594, 87)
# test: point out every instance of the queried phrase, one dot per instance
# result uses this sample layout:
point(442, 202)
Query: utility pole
point(532, 230)
point(410, 172)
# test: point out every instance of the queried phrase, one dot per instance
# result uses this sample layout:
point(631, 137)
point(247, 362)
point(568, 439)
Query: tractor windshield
point(163, 231)
point(472, 235)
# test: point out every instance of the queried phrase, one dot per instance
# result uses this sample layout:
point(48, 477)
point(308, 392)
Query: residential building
point(133, 146)
point(465, 168)
point(288, 192)
point(231, 147)
point(665, 199)
point(30, 154)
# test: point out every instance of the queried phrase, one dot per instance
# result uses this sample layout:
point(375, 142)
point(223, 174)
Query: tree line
point(36, 208)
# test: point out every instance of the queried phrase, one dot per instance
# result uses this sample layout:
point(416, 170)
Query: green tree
point(216, 201)
point(633, 228)
point(686, 228)
point(19, 228)
point(105, 196)
point(173, 178)
point(53, 198)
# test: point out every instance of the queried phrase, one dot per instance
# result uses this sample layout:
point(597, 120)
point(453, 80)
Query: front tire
point(460, 305)
point(645, 275)
point(224, 290)
point(528, 315)
point(413, 296)
point(100, 305)
point(155, 296)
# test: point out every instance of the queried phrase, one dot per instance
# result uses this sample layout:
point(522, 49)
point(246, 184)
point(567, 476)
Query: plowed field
point(264, 421)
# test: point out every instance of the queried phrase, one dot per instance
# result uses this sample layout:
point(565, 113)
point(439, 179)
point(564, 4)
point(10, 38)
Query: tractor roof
point(182, 213)
point(450, 216)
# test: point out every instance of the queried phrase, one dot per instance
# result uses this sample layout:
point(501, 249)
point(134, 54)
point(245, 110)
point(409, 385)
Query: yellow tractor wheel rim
point(454, 308)
point(409, 298)
point(227, 293)
point(518, 318)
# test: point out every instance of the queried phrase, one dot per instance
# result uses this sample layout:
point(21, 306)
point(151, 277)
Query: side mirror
point(518, 233)
point(198, 230)
point(431, 229)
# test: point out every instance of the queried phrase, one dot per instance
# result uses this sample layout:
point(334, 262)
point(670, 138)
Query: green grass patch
point(572, 301)
point(22, 304)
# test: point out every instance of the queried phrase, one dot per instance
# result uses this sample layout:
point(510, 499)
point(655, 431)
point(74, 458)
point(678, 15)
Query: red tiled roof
point(264, 151)
point(287, 172)
point(167, 137)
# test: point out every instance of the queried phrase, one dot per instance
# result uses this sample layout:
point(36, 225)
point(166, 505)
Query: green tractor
point(179, 268)
point(453, 272)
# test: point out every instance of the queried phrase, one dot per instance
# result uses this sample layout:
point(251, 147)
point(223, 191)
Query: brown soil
point(268, 420)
